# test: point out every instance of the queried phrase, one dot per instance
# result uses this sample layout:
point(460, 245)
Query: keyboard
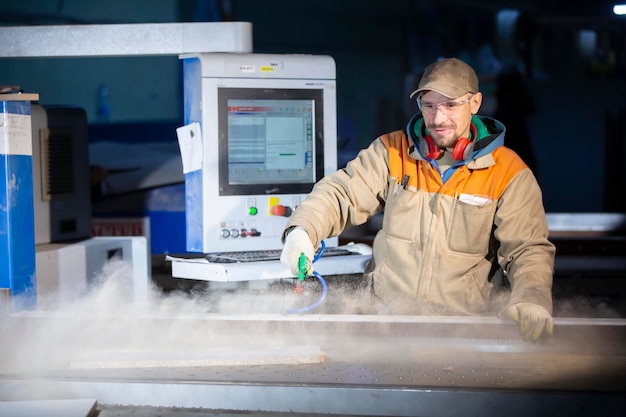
point(264, 255)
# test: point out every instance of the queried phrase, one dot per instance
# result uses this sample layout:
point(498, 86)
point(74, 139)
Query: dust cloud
point(111, 320)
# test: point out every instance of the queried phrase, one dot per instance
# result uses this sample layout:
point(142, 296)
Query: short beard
point(449, 144)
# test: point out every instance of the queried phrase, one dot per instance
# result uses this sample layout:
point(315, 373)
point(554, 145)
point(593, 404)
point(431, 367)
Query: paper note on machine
point(190, 142)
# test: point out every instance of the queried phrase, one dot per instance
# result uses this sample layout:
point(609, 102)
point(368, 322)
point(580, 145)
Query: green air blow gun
point(302, 267)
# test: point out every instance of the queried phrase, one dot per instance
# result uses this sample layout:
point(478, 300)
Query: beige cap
point(449, 76)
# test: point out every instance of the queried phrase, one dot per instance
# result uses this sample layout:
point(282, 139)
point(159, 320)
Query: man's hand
point(297, 243)
point(533, 320)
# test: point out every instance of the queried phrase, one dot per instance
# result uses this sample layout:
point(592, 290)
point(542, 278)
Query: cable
point(321, 280)
point(320, 253)
point(318, 302)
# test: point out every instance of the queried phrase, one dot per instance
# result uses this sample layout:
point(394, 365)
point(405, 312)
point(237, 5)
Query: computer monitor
point(267, 133)
point(269, 137)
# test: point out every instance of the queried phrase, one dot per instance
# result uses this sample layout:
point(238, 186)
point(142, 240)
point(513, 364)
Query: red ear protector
point(462, 149)
point(427, 146)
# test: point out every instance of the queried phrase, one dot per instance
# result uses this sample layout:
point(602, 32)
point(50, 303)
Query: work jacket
point(442, 243)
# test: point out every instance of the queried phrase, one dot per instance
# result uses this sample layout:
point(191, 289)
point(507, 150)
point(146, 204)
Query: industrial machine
point(61, 186)
point(266, 132)
point(260, 130)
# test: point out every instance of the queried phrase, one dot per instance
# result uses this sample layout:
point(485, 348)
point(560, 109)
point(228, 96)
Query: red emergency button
point(280, 210)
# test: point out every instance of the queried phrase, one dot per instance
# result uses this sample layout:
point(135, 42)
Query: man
point(461, 210)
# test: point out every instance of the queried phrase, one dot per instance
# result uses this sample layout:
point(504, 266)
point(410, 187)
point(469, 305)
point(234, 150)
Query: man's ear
point(475, 102)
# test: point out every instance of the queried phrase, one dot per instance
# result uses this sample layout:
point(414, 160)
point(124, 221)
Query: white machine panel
point(268, 133)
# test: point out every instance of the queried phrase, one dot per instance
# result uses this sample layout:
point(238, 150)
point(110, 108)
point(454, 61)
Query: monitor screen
point(269, 137)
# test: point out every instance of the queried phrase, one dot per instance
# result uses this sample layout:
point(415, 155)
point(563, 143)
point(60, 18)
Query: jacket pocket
point(402, 213)
point(470, 227)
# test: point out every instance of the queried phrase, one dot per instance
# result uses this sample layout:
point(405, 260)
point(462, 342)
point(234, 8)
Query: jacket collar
point(481, 162)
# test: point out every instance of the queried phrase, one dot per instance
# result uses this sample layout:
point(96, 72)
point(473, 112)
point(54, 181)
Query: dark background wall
point(571, 72)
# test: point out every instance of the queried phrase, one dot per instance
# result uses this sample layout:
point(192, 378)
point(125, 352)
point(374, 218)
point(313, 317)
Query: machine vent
point(57, 168)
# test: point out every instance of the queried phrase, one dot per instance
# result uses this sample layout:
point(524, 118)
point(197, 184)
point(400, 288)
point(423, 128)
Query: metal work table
point(372, 365)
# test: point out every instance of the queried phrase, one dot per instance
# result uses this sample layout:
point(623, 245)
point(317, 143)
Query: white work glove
point(533, 320)
point(297, 242)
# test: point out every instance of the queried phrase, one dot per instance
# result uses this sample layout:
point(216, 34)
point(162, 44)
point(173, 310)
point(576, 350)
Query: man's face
point(449, 119)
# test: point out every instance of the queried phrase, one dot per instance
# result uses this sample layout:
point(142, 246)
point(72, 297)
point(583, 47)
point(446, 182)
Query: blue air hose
point(321, 280)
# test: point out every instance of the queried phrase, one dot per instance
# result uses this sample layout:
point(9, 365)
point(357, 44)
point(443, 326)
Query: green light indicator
point(253, 211)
